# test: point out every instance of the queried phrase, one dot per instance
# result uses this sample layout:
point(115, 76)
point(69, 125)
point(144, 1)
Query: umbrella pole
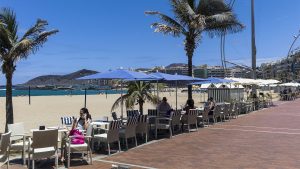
point(29, 95)
point(84, 97)
point(157, 89)
point(176, 94)
point(239, 92)
point(122, 103)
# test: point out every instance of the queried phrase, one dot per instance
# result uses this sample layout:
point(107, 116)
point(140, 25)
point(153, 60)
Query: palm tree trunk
point(190, 73)
point(253, 40)
point(141, 107)
point(9, 104)
point(253, 44)
point(190, 48)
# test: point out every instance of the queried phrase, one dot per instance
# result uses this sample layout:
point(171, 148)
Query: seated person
point(83, 121)
point(189, 105)
point(164, 107)
point(211, 105)
point(80, 123)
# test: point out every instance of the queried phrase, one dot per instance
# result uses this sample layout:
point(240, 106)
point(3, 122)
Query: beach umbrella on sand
point(168, 77)
point(119, 74)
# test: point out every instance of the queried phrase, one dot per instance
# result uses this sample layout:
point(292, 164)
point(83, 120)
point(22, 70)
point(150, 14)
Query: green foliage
point(138, 93)
point(191, 18)
point(13, 49)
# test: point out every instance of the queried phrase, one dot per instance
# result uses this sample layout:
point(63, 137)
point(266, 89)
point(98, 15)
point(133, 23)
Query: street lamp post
point(253, 40)
point(293, 58)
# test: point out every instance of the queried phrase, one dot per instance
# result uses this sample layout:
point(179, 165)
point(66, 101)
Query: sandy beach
point(47, 110)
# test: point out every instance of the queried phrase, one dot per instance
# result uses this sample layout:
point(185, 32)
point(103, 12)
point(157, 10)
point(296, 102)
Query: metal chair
point(142, 126)
point(44, 145)
point(18, 138)
point(190, 118)
point(129, 130)
point(111, 135)
point(176, 119)
point(4, 149)
point(164, 123)
point(131, 113)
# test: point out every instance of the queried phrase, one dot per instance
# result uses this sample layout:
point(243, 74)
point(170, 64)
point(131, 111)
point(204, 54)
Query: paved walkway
point(269, 138)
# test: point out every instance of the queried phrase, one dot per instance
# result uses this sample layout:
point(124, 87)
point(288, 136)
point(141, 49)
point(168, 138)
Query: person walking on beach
point(164, 107)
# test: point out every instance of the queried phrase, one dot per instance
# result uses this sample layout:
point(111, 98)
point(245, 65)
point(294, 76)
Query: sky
point(102, 35)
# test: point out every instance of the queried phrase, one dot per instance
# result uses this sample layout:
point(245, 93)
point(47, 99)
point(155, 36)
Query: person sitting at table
point(190, 104)
point(211, 105)
point(164, 107)
point(80, 123)
point(83, 121)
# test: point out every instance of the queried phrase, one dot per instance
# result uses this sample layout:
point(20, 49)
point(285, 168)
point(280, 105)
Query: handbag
point(77, 138)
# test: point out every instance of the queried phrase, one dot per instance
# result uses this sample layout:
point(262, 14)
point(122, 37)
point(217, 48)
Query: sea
point(36, 92)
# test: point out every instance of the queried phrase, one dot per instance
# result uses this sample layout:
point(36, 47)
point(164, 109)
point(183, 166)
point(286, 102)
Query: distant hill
point(63, 80)
point(174, 65)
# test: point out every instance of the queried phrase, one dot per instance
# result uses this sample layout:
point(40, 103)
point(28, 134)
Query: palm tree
point(192, 17)
point(13, 49)
point(138, 93)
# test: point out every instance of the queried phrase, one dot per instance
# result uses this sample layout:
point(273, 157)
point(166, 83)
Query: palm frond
point(152, 98)
point(38, 28)
point(222, 24)
point(166, 29)
point(30, 45)
point(8, 19)
point(182, 14)
point(117, 103)
point(167, 20)
point(192, 3)
point(5, 42)
point(212, 7)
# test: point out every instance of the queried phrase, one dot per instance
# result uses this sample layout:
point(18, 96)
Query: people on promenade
point(164, 107)
point(190, 104)
point(211, 105)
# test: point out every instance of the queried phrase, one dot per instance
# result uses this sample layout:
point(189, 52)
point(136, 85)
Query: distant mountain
point(174, 65)
point(63, 80)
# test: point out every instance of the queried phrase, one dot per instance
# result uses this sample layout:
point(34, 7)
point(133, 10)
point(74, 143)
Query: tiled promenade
point(269, 138)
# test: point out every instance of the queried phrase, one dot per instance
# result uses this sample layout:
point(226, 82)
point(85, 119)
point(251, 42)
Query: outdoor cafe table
point(99, 123)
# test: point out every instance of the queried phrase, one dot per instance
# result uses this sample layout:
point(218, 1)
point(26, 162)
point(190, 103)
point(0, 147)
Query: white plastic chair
point(4, 149)
point(163, 123)
point(44, 145)
point(111, 135)
point(18, 138)
point(85, 147)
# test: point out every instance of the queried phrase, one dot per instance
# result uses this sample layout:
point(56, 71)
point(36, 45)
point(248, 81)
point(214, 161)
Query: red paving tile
point(251, 141)
point(264, 139)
